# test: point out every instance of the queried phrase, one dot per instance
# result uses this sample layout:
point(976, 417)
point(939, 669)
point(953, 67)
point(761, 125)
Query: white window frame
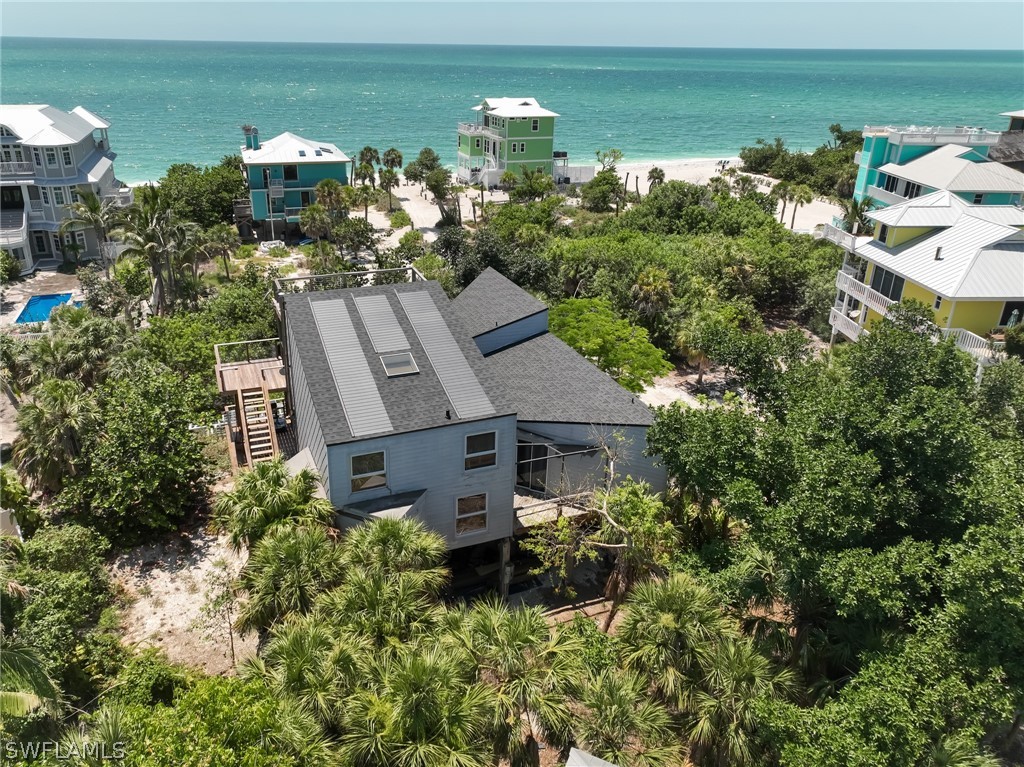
point(67, 157)
point(493, 452)
point(535, 125)
point(522, 147)
point(58, 196)
point(56, 244)
point(80, 239)
point(38, 158)
point(938, 303)
point(979, 198)
point(353, 476)
point(39, 239)
point(513, 147)
point(471, 515)
point(44, 193)
point(50, 152)
point(477, 143)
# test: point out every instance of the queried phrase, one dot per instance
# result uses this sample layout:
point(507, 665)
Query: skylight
point(401, 364)
point(302, 153)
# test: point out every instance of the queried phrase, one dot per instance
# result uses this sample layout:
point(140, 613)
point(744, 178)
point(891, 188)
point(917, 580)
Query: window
point(80, 239)
point(74, 194)
point(65, 153)
point(56, 244)
point(938, 303)
point(536, 125)
point(291, 172)
point(890, 183)
point(369, 471)
point(513, 147)
point(305, 199)
point(487, 145)
point(913, 190)
point(46, 195)
point(883, 233)
point(471, 514)
point(978, 198)
point(40, 242)
point(5, 131)
point(522, 147)
point(477, 143)
point(1008, 309)
point(58, 196)
point(51, 156)
point(401, 364)
point(480, 450)
point(888, 284)
point(36, 158)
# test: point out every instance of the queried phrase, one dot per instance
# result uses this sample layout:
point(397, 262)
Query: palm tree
point(509, 179)
point(671, 633)
point(744, 184)
point(655, 177)
point(783, 191)
point(330, 194)
point(12, 554)
point(391, 546)
point(718, 186)
point(802, 195)
point(365, 174)
point(49, 445)
point(220, 241)
point(723, 710)
point(531, 671)
point(287, 569)
point(622, 724)
point(267, 497)
point(392, 159)
point(79, 346)
point(315, 221)
point(855, 214)
point(365, 196)
point(313, 661)
point(388, 181)
point(420, 709)
point(24, 684)
point(93, 212)
point(370, 157)
point(652, 293)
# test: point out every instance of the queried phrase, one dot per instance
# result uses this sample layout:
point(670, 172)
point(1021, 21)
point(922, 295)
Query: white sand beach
point(700, 171)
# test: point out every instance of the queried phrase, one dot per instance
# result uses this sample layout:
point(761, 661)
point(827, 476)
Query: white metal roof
point(43, 125)
point(579, 758)
point(941, 209)
point(515, 107)
point(946, 168)
point(293, 150)
point(974, 261)
point(1018, 113)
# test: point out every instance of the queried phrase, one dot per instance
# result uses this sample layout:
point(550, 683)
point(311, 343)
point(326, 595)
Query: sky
point(886, 24)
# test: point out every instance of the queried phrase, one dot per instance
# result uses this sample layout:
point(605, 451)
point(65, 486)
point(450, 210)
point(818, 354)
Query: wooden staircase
point(257, 422)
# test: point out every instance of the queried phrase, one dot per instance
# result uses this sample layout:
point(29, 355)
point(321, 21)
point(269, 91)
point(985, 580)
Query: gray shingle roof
point(544, 379)
point(491, 301)
point(412, 402)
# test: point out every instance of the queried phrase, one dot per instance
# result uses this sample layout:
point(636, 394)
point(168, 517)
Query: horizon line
point(507, 45)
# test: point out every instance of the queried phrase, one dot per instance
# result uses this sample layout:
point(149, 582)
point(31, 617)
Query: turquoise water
point(184, 102)
point(38, 308)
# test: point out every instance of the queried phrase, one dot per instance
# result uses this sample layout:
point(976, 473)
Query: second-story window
point(369, 471)
point(51, 156)
point(913, 190)
point(890, 184)
point(291, 172)
point(45, 194)
point(481, 450)
point(37, 158)
point(536, 125)
point(888, 284)
point(65, 153)
point(58, 196)
point(477, 143)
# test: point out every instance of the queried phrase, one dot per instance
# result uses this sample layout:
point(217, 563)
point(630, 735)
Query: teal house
point(282, 174)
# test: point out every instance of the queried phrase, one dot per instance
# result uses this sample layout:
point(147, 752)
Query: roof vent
point(302, 153)
point(938, 253)
point(401, 364)
point(318, 153)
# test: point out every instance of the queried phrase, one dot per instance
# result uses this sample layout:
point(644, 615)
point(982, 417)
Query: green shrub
point(1015, 341)
point(148, 679)
point(10, 269)
point(245, 251)
point(400, 219)
point(279, 252)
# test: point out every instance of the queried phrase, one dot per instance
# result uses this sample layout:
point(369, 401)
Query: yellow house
point(965, 261)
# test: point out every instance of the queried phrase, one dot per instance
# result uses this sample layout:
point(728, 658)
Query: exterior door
point(532, 466)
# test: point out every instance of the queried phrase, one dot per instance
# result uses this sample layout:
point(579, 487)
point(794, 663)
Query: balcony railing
point(858, 290)
point(16, 169)
point(980, 348)
point(913, 134)
point(845, 240)
point(843, 324)
point(481, 130)
point(878, 194)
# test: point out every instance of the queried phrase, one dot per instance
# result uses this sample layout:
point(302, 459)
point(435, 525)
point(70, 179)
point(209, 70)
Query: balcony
point(878, 194)
point(844, 240)
point(120, 196)
point(16, 169)
point(13, 227)
point(476, 129)
point(858, 290)
point(983, 350)
point(843, 324)
point(913, 134)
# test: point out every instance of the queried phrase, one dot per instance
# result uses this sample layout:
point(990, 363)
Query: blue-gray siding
point(307, 424)
point(507, 335)
point(434, 460)
point(364, 408)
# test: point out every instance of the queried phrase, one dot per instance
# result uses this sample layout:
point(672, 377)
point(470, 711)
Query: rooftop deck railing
point(478, 128)
point(358, 279)
point(247, 351)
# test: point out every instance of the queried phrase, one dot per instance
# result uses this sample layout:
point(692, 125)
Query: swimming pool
point(38, 308)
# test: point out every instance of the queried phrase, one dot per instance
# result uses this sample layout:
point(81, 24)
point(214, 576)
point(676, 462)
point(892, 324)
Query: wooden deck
point(265, 374)
point(530, 510)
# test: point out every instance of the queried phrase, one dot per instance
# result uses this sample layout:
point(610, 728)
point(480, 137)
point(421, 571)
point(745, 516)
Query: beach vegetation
point(829, 170)
point(10, 269)
point(204, 196)
point(400, 219)
point(603, 192)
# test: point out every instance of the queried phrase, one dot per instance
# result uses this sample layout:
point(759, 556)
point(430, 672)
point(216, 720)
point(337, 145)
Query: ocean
point(171, 102)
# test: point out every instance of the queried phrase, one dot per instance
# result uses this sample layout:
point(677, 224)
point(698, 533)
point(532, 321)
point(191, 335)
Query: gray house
point(451, 411)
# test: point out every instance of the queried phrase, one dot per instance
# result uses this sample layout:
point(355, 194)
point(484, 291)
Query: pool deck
point(17, 294)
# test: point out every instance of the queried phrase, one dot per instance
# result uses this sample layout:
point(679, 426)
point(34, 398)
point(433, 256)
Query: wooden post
point(504, 567)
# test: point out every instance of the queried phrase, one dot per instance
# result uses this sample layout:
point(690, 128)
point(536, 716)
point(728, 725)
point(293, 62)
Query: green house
point(509, 134)
point(282, 174)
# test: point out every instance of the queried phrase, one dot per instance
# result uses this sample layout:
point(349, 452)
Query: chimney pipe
point(938, 253)
point(448, 414)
